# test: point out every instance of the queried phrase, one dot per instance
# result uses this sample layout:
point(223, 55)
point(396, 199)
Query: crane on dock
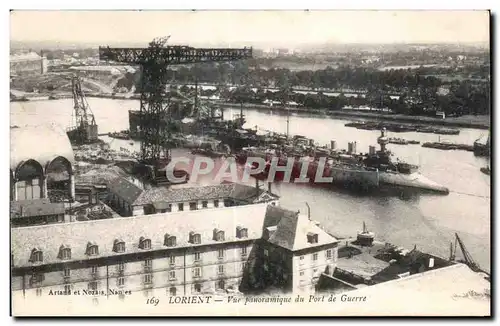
point(467, 257)
point(84, 130)
point(154, 60)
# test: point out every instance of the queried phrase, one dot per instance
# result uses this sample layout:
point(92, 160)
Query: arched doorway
point(60, 181)
point(28, 180)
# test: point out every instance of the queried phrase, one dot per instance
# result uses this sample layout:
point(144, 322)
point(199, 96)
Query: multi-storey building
point(130, 200)
point(179, 253)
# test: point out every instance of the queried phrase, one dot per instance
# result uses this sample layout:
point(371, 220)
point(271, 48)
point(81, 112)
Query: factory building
point(181, 253)
point(41, 171)
point(27, 64)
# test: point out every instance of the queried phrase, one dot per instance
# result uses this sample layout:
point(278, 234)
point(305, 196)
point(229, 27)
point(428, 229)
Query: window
point(36, 256)
point(204, 204)
point(121, 281)
point(148, 278)
point(220, 253)
point(148, 263)
point(193, 206)
point(67, 288)
point(65, 252)
point(181, 207)
point(67, 272)
point(197, 288)
point(171, 275)
point(244, 251)
point(218, 235)
point(216, 203)
point(37, 279)
point(120, 266)
point(301, 273)
point(92, 286)
point(241, 232)
point(220, 269)
point(170, 241)
point(197, 272)
point(312, 237)
point(92, 249)
point(173, 291)
point(329, 254)
point(38, 292)
point(197, 256)
point(171, 260)
point(144, 243)
point(220, 285)
point(266, 252)
point(194, 238)
point(315, 256)
point(119, 246)
point(93, 270)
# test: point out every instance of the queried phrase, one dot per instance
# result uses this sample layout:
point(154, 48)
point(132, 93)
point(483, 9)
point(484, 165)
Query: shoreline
point(458, 122)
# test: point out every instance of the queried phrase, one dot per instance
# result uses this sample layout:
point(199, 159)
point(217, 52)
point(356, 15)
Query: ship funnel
point(333, 145)
point(372, 150)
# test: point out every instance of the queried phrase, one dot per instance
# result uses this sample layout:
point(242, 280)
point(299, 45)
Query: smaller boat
point(366, 237)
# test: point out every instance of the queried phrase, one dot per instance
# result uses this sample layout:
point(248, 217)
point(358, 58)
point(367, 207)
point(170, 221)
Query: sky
point(265, 28)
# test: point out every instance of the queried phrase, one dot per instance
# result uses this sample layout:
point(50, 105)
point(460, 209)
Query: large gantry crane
point(154, 100)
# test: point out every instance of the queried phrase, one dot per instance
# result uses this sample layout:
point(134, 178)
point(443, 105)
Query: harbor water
point(427, 221)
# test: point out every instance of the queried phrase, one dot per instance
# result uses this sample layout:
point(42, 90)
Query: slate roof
point(186, 194)
point(292, 229)
point(77, 235)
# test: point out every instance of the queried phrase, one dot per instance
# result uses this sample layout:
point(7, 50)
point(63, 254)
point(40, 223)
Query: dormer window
point(64, 252)
point(312, 237)
point(194, 238)
point(92, 249)
point(36, 256)
point(241, 232)
point(144, 243)
point(218, 235)
point(170, 240)
point(119, 245)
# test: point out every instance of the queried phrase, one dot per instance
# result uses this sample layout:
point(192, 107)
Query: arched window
point(173, 291)
point(92, 249)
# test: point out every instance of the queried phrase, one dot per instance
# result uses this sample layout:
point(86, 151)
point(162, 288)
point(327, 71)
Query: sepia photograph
point(250, 163)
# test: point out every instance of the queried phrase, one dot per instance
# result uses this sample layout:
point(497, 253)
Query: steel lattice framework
point(154, 61)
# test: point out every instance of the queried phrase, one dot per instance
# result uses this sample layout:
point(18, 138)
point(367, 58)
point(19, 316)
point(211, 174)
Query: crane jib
point(172, 55)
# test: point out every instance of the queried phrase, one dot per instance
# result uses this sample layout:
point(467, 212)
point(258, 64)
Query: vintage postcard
point(250, 163)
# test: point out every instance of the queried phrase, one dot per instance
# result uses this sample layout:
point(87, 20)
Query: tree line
point(422, 91)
